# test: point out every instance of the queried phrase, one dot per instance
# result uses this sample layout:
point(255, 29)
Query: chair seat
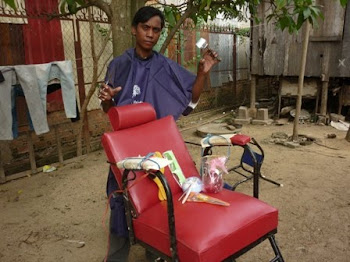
point(236, 226)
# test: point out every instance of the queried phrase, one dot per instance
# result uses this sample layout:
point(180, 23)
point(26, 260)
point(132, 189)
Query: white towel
point(142, 163)
point(216, 140)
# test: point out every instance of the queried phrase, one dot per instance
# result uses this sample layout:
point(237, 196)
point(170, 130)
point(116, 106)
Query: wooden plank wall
point(278, 53)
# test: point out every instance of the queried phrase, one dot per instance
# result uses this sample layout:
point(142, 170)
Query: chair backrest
point(248, 159)
point(138, 132)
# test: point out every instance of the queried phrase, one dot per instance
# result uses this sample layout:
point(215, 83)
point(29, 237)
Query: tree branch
point(105, 42)
point(187, 14)
point(52, 16)
point(103, 6)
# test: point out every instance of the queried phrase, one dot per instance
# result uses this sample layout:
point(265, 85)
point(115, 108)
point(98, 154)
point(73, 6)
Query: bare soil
point(57, 216)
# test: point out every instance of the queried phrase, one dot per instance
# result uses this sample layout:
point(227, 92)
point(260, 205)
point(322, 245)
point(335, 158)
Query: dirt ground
point(58, 216)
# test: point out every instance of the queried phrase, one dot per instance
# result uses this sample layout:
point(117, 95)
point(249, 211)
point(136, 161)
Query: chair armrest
point(170, 209)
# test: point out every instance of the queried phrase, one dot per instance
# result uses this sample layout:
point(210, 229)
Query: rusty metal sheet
point(11, 42)
point(43, 38)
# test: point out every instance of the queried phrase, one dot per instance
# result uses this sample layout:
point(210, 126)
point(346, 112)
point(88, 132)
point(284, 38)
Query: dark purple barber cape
point(168, 88)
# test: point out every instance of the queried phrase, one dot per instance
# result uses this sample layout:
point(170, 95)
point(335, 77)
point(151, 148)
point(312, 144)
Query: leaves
point(343, 2)
point(292, 14)
point(11, 3)
point(172, 15)
point(71, 5)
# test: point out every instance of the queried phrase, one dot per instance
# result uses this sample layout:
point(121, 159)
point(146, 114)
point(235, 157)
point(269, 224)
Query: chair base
point(247, 178)
point(270, 236)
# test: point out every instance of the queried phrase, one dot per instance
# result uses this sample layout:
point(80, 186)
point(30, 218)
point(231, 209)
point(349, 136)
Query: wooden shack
point(277, 53)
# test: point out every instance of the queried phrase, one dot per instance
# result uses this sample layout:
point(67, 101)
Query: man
point(143, 75)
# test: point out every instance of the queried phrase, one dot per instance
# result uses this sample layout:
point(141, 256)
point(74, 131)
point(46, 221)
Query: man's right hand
point(106, 93)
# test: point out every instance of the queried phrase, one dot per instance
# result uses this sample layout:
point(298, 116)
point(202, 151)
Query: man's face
point(148, 33)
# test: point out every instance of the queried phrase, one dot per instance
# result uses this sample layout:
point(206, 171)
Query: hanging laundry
point(34, 80)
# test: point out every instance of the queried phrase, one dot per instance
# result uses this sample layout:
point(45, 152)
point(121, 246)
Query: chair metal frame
point(130, 215)
point(126, 118)
point(251, 158)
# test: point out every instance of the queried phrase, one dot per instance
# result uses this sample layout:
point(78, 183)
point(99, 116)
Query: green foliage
point(243, 31)
point(71, 5)
point(287, 14)
point(343, 2)
point(11, 3)
point(172, 15)
point(104, 32)
point(291, 14)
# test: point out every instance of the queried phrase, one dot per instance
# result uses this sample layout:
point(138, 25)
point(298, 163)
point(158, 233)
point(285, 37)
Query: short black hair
point(146, 13)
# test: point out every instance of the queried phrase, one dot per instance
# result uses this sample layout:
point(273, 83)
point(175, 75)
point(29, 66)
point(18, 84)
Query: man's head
point(146, 27)
point(146, 13)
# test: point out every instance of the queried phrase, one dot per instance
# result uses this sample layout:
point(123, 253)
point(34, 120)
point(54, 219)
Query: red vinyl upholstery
point(208, 232)
point(160, 135)
point(128, 115)
point(240, 140)
point(204, 232)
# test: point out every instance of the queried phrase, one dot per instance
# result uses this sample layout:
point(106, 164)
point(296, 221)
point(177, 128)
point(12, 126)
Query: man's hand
point(106, 93)
point(210, 58)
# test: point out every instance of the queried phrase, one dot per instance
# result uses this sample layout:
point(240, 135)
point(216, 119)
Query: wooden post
point(59, 146)
point(325, 80)
point(252, 109)
point(348, 135)
point(31, 152)
point(2, 174)
point(2, 171)
point(301, 80)
point(234, 68)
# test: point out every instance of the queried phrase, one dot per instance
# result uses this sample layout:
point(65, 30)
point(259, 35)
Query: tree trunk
point(135, 5)
point(121, 26)
point(301, 81)
point(94, 85)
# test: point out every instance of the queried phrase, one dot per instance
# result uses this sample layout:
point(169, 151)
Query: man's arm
point(204, 66)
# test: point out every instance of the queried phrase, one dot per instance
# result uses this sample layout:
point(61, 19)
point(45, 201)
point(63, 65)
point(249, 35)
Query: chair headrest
point(126, 116)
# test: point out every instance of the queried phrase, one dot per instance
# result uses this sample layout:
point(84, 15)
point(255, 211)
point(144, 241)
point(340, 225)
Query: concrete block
point(243, 121)
point(262, 122)
point(263, 114)
point(243, 112)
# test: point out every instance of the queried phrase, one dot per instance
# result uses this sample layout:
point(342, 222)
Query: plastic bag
point(213, 168)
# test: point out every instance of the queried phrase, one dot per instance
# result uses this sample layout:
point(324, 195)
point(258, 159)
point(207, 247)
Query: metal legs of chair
point(275, 248)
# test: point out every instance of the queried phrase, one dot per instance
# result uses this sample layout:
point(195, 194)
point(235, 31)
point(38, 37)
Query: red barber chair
point(190, 232)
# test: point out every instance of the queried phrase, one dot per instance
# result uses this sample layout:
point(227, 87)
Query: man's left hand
point(210, 58)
